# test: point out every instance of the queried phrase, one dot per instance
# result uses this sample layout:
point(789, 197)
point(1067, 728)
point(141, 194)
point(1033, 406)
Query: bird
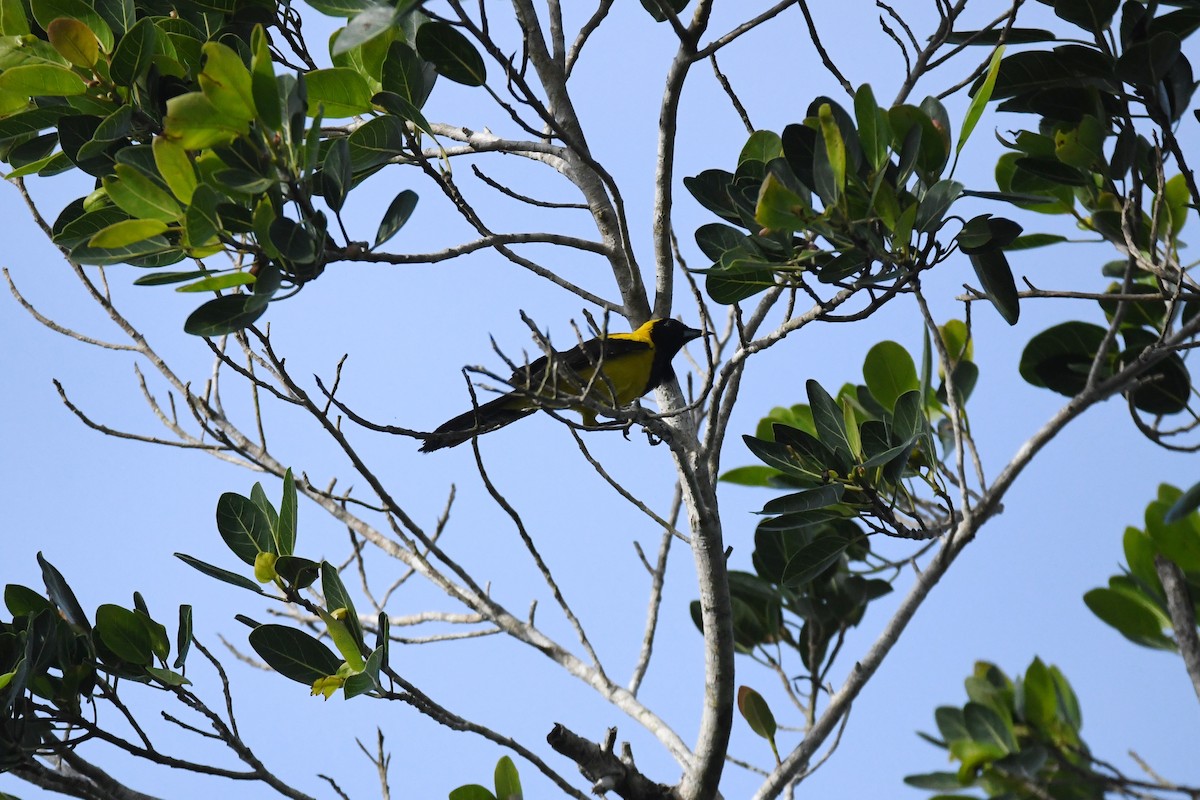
point(630, 365)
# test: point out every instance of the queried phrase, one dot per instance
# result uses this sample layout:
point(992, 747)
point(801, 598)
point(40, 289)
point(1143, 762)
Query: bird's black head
point(670, 335)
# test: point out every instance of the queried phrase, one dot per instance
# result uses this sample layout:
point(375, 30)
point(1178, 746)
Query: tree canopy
point(278, 190)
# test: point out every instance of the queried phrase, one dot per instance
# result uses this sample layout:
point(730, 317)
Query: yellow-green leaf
point(46, 11)
point(975, 110)
point(339, 91)
point(139, 196)
point(127, 232)
point(226, 83)
point(835, 147)
point(12, 23)
point(264, 567)
point(176, 168)
point(194, 122)
point(42, 80)
point(74, 41)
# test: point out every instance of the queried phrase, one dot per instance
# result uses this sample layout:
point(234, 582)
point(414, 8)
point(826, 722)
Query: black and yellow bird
point(606, 372)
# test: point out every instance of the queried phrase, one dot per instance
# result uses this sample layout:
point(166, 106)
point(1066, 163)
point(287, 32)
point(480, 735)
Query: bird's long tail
point(483, 419)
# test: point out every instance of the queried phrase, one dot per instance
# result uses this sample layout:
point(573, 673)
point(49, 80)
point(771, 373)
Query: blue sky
point(109, 512)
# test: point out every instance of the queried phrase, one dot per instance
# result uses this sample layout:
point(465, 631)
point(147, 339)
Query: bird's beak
point(692, 333)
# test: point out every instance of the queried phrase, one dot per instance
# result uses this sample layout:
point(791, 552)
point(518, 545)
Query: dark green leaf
point(988, 727)
point(451, 53)
point(226, 314)
point(293, 654)
point(807, 500)
point(131, 58)
point(404, 74)
point(219, 573)
point(124, 634)
point(285, 524)
point(297, 572)
point(183, 641)
point(1133, 619)
point(1146, 63)
point(827, 416)
point(337, 597)
point(376, 142)
point(58, 590)
point(889, 372)
point(1188, 502)
point(814, 558)
point(996, 278)
point(756, 712)
point(398, 212)
point(1011, 36)
point(244, 527)
point(1060, 357)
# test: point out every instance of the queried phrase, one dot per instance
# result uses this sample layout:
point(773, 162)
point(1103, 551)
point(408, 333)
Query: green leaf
point(1133, 618)
point(935, 781)
point(183, 641)
point(337, 92)
point(988, 727)
point(508, 782)
point(398, 212)
point(220, 574)
point(75, 41)
point(21, 601)
point(377, 141)
point(832, 158)
point(337, 597)
point(1039, 702)
point(979, 100)
point(58, 590)
point(472, 791)
point(779, 208)
point(404, 74)
point(827, 417)
point(807, 500)
point(123, 633)
point(197, 124)
point(285, 525)
point(342, 8)
point(451, 53)
point(951, 723)
point(127, 232)
point(372, 21)
point(244, 527)
point(224, 315)
point(1146, 63)
point(215, 283)
point(175, 167)
point(1188, 502)
point(935, 204)
point(132, 56)
point(139, 196)
point(757, 713)
point(42, 80)
point(46, 11)
point(874, 132)
point(996, 278)
point(889, 372)
point(814, 558)
point(751, 476)
point(293, 654)
point(1060, 357)
point(762, 146)
point(263, 86)
point(12, 18)
point(297, 572)
point(226, 84)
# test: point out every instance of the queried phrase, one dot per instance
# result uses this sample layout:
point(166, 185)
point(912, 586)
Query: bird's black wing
point(581, 357)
